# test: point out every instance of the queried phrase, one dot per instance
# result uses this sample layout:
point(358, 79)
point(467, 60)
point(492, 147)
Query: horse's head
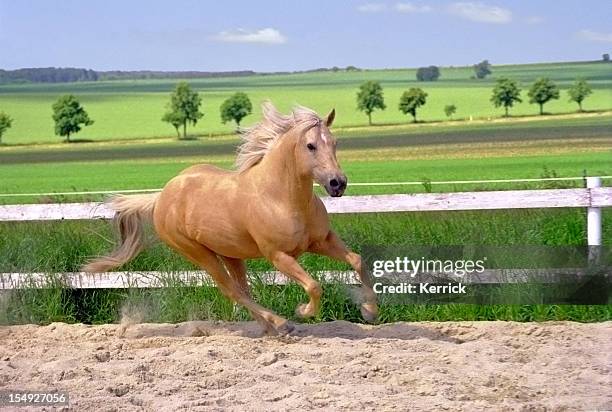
point(316, 153)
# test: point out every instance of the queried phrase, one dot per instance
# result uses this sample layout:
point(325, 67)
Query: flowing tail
point(131, 214)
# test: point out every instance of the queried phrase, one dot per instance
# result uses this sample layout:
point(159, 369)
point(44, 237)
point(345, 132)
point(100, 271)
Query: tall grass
point(64, 246)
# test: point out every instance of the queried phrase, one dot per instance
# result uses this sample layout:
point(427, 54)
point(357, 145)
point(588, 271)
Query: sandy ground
point(332, 366)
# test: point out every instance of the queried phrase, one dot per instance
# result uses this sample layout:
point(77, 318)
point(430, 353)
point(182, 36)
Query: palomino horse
point(267, 208)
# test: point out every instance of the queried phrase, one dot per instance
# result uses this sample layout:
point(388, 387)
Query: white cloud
point(412, 8)
point(372, 7)
point(534, 20)
point(263, 36)
point(591, 35)
point(480, 12)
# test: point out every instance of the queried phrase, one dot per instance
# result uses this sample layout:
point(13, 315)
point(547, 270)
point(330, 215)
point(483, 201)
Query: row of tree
point(184, 108)
point(505, 93)
point(70, 117)
point(72, 74)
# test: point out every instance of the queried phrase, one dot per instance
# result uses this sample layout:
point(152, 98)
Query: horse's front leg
point(332, 246)
point(290, 267)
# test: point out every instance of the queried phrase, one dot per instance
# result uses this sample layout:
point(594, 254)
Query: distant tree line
point(48, 75)
point(432, 73)
point(149, 74)
point(69, 74)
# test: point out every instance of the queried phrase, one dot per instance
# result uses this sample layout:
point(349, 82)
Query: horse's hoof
point(268, 329)
point(302, 311)
point(369, 311)
point(285, 329)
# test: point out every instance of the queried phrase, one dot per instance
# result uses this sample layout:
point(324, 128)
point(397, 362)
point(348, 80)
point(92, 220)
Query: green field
point(529, 149)
point(132, 109)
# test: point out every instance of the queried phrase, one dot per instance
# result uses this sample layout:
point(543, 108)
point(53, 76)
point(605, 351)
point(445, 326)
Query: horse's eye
point(311, 147)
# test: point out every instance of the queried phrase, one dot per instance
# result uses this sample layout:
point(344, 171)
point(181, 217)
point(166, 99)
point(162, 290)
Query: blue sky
point(283, 35)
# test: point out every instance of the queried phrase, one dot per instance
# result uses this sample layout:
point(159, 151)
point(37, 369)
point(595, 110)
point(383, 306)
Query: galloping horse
point(266, 208)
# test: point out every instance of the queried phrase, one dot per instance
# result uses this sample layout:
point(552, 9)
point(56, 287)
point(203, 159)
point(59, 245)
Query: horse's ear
point(329, 120)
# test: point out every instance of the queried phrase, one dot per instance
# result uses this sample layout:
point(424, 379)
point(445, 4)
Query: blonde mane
point(259, 139)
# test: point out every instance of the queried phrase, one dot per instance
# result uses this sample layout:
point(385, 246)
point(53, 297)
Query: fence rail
point(596, 197)
point(152, 279)
point(359, 184)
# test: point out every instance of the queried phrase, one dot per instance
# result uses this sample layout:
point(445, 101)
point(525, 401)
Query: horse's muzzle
point(336, 186)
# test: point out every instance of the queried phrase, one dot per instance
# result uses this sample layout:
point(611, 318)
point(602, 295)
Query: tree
point(541, 91)
point(369, 98)
point(236, 108)
point(450, 110)
point(505, 93)
point(184, 107)
point(411, 100)
point(579, 91)
point(428, 74)
point(5, 123)
point(69, 116)
point(482, 69)
point(605, 57)
point(175, 119)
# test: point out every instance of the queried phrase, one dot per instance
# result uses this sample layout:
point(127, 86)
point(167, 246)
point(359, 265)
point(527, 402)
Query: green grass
point(595, 126)
point(523, 149)
point(123, 175)
point(64, 246)
point(172, 305)
point(131, 109)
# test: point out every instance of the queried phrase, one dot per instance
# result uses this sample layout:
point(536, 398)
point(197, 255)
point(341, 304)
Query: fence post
point(593, 223)
point(593, 216)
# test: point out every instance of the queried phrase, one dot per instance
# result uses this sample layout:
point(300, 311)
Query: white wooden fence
point(593, 198)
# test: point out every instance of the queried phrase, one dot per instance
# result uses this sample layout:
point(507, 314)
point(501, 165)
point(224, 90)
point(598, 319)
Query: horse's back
point(203, 170)
point(204, 203)
point(198, 183)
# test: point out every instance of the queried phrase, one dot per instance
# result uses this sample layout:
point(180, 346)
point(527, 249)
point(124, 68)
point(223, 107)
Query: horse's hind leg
point(334, 247)
point(237, 270)
point(289, 266)
point(209, 261)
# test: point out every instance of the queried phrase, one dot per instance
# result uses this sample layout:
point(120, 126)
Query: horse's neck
point(279, 176)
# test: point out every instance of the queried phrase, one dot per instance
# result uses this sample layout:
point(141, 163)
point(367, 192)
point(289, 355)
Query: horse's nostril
point(334, 183)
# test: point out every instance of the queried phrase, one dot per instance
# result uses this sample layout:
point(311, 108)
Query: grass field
point(132, 109)
point(535, 149)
